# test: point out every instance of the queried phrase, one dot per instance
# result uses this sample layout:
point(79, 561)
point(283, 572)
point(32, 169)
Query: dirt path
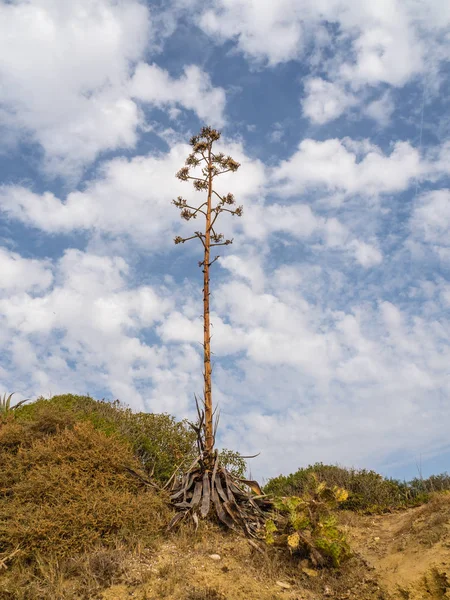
point(409, 551)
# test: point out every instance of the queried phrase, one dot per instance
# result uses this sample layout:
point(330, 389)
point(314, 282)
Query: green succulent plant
point(5, 403)
point(306, 525)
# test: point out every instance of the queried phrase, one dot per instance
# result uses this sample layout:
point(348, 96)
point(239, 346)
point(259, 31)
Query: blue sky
point(330, 311)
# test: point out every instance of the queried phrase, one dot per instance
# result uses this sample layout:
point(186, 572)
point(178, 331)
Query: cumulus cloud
point(430, 221)
point(126, 191)
point(325, 101)
point(348, 165)
point(64, 72)
point(381, 110)
point(193, 91)
point(372, 369)
point(23, 274)
point(301, 223)
point(387, 43)
point(129, 197)
point(271, 32)
point(84, 333)
point(66, 78)
point(384, 37)
point(366, 254)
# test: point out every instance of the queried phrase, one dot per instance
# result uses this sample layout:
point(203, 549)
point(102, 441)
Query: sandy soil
point(405, 555)
point(409, 550)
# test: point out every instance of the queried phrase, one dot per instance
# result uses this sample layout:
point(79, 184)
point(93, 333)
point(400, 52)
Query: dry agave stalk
point(207, 487)
point(212, 165)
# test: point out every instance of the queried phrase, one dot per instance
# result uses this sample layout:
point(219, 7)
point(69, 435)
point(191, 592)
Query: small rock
point(305, 563)
point(377, 539)
point(310, 572)
point(285, 586)
point(214, 556)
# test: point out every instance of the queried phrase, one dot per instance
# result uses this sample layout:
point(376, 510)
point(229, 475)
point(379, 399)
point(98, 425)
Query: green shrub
point(158, 440)
point(368, 490)
point(233, 462)
point(305, 525)
point(434, 483)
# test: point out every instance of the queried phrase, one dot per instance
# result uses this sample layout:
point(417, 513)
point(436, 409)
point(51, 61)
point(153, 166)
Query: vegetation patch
point(159, 441)
point(306, 526)
point(368, 491)
point(66, 495)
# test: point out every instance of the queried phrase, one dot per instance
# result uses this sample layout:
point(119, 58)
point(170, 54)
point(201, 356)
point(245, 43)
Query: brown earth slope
point(409, 550)
point(405, 555)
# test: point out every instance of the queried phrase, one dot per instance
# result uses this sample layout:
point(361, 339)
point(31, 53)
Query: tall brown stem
point(212, 165)
point(209, 440)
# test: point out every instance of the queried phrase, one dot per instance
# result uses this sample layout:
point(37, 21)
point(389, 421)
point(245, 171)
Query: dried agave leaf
point(222, 515)
point(219, 487)
point(233, 514)
point(197, 494)
point(183, 504)
point(176, 519)
point(206, 501)
point(253, 485)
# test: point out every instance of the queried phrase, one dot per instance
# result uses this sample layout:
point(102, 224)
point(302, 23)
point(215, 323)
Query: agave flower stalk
point(202, 167)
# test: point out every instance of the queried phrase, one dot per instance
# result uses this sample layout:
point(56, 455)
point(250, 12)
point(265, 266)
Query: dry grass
point(430, 523)
point(158, 440)
point(204, 594)
point(71, 508)
point(67, 492)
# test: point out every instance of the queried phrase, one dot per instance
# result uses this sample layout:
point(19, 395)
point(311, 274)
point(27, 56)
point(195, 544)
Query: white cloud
point(264, 31)
point(118, 202)
point(347, 165)
point(385, 37)
point(247, 268)
point(381, 110)
point(366, 254)
point(387, 48)
point(388, 42)
point(64, 71)
point(430, 221)
point(65, 78)
point(193, 91)
point(300, 222)
point(84, 334)
point(325, 101)
point(124, 195)
point(23, 274)
point(370, 372)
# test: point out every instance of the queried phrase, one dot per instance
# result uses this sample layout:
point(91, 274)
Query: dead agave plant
point(207, 488)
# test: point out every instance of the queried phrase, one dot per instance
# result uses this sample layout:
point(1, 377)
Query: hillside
point(409, 551)
point(83, 516)
point(401, 555)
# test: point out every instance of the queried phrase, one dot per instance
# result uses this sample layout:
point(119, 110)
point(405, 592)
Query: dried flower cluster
point(212, 165)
